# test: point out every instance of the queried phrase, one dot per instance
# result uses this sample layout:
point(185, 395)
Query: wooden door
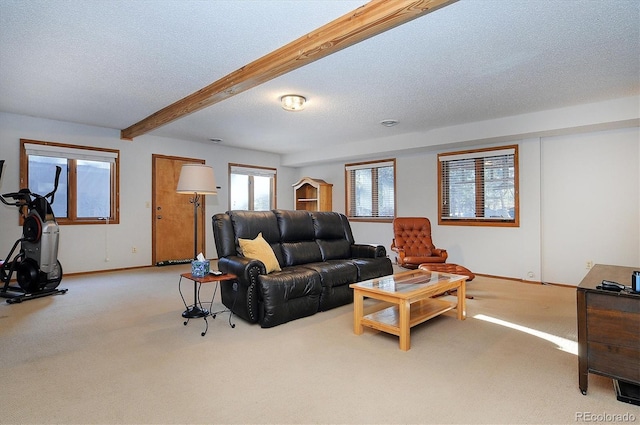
point(172, 229)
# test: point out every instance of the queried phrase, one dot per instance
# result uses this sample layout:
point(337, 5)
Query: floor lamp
point(196, 180)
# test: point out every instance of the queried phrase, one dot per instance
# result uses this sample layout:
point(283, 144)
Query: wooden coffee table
point(411, 295)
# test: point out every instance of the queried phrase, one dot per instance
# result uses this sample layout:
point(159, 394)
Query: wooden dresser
point(608, 327)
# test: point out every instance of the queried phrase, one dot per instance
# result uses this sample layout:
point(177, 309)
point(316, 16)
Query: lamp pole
point(196, 203)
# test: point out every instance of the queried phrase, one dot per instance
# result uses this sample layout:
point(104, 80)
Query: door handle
point(158, 217)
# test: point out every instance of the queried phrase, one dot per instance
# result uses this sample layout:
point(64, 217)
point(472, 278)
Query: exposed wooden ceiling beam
point(366, 21)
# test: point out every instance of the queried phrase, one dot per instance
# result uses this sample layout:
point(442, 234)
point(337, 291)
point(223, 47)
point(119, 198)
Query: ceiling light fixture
point(389, 123)
point(215, 140)
point(293, 102)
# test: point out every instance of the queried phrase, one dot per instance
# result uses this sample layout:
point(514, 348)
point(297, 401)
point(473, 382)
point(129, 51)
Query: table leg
point(211, 312)
point(405, 330)
point(233, 305)
point(462, 306)
point(226, 310)
point(358, 312)
point(195, 310)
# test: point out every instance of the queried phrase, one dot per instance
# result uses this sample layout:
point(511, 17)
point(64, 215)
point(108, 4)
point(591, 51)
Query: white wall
point(590, 117)
point(475, 247)
point(603, 187)
point(546, 247)
point(594, 175)
point(87, 247)
point(590, 205)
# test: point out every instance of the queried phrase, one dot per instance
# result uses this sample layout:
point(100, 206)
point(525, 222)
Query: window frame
point(256, 170)
point(479, 154)
point(350, 192)
point(71, 195)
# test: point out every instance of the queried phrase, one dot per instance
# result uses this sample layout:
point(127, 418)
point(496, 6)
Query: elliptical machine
point(38, 271)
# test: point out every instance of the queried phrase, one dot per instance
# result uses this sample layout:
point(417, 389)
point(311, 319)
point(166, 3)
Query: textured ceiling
point(112, 63)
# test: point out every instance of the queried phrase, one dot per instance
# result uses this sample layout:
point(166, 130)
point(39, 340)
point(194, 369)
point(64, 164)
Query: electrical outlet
point(134, 250)
point(589, 264)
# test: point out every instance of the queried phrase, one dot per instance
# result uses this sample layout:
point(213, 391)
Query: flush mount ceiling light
point(293, 102)
point(389, 123)
point(215, 140)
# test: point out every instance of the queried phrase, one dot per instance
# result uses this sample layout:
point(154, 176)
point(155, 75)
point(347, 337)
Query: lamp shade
point(197, 178)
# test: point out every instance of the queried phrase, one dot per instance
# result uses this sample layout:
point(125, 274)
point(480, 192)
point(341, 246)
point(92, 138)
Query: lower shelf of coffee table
point(388, 319)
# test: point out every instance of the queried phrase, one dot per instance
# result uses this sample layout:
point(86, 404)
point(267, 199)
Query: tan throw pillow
point(260, 249)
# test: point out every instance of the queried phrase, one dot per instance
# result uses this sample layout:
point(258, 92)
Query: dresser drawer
point(619, 325)
point(618, 362)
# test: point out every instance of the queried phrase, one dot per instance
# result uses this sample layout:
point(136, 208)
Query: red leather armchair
point(412, 241)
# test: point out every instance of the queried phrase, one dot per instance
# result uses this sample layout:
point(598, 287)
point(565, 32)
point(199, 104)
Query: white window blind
point(367, 166)
point(251, 171)
point(70, 153)
point(479, 185)
point(371, 189)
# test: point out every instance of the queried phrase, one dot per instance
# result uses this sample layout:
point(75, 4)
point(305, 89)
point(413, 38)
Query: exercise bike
point(38, 271)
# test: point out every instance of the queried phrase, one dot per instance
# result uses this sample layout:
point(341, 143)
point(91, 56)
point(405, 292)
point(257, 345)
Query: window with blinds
point(88, 187)
point(370, 189)
point(252, 187)
point(479, 187)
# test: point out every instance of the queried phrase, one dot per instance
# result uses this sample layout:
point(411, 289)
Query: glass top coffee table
point(411, 295)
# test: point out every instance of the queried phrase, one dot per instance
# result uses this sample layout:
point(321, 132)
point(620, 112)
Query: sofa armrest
point(368, 251)
point(240, 266)
point(245, 302)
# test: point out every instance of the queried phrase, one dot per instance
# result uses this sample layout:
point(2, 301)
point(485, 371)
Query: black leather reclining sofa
point(316, 253)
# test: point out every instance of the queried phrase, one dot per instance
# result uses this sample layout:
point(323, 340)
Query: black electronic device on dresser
point(36, 266)
point(609, 329)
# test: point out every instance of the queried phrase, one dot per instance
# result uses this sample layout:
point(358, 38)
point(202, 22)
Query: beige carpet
point(114, 350)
